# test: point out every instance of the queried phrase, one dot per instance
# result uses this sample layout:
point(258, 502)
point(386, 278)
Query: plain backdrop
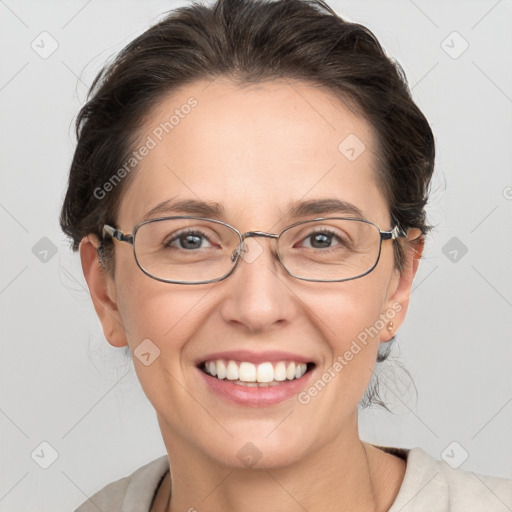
point(63, 385)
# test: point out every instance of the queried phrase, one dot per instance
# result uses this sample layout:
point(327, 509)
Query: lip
point(254, 357)
point(256, 396)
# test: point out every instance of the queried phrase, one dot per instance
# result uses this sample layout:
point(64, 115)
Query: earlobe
point(102, 290)
point(398, 302)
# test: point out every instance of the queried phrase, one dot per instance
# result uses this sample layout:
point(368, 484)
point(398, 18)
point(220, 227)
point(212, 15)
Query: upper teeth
point(249, 372)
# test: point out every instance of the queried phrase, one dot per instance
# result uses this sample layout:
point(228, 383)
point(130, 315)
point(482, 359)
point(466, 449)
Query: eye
point(323, 239)
point(187, 240)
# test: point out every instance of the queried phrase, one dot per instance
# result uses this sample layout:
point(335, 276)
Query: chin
point(257, 451)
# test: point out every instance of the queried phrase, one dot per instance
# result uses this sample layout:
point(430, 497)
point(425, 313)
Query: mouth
point(260, 375)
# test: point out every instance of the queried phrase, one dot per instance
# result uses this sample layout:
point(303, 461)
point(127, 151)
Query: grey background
point(61, 383)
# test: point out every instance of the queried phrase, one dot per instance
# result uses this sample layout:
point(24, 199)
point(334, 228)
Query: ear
point(102, 290)
point(400, 291)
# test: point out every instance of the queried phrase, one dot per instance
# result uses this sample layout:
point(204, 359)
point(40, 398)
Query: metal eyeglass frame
point(118, 235)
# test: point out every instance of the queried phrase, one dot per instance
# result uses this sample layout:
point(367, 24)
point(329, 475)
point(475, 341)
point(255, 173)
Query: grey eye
point(187, 240)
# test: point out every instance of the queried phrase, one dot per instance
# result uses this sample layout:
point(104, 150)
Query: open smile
point(249, 379)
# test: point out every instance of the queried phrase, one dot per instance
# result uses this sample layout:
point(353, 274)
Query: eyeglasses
point(196, 250)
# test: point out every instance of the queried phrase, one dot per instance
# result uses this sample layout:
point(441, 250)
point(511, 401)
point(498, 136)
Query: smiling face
point(256, 151)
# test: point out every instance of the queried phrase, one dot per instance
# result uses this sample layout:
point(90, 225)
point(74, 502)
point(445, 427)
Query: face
point(256, 151)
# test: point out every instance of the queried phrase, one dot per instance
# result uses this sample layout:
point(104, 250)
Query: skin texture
point(256, 149)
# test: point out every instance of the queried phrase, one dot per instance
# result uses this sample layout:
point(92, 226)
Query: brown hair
point(248, 41)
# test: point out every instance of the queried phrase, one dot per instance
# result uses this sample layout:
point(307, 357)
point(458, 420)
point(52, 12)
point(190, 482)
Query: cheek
point(164, 313)
point(344, 310)
point(350, 319)
point(160, 321)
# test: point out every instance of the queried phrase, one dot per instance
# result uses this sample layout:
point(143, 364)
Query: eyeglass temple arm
point(396, 232)
point(117, 234)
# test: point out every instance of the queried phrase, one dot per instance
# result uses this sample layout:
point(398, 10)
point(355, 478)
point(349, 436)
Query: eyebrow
point(322, 207)
point(186, 206)
point(215, 210)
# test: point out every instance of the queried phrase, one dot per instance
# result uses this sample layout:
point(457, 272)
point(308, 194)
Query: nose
point(258, 295)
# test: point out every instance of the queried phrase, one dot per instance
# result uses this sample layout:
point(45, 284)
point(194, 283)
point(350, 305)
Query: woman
point(247, 196)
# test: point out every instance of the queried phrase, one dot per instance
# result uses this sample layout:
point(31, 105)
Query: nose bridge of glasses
point(251, 234)
point(258, 248)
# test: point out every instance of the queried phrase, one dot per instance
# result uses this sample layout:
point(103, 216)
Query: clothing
point(429, 486)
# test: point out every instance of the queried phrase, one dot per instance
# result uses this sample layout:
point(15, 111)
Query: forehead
point(254, 150)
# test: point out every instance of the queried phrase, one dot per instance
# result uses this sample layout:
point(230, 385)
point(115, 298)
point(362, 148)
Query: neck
point(341, 474)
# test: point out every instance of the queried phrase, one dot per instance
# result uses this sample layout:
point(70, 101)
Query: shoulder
point(133, 493)
point(434, 486)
